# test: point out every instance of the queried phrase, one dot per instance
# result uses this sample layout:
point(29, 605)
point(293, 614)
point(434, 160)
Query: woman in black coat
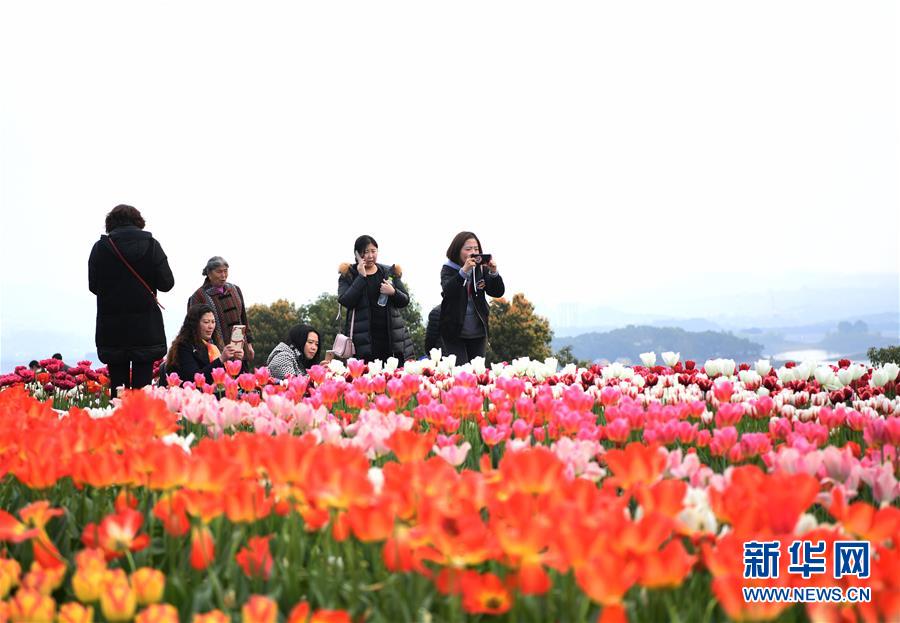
point(196, 348)
point(466, 281)
point(375, 293)
point(130, 335)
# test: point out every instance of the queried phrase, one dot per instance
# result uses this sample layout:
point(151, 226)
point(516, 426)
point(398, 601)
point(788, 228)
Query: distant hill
point(628, 343)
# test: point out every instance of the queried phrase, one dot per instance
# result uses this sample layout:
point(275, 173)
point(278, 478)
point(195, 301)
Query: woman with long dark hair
point(297, 354)
point(197, 348)
point(126, 269)
point(373, 295)
point(467, 279)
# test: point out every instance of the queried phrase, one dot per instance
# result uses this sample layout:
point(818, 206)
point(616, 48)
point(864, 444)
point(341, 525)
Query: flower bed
point(432, 492)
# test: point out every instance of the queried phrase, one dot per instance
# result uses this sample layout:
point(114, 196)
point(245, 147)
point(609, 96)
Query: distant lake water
point(810, 354)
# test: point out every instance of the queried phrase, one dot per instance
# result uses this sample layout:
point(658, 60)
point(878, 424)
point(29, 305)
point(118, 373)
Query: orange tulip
point(29, 606)
point(256, 558)
point(636, 464)
point(409, 446)
point(667, 567)
point(534, 470)
point(11, 529)
point(484, 594)
point(259, 609)
point(371, 523)
point(44, 580)
point(204, 505)
point(606, 578)
point(118, 532)
point(213, 616)
point(158, 613)
point(75, 613)
point(161, 467)
point(10, 572)
point(203, 548)
point(170, 510)
point(246, 501)
point(149, 585)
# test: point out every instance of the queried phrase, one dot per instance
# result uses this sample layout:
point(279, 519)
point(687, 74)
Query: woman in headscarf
point(227, 302)
point(297, 355)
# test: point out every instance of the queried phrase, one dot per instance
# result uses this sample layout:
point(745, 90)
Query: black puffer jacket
point(129, 324)
point(455, 299)
point(352, 296)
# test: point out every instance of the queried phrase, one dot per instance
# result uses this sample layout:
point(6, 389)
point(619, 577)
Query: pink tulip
point(218, 376)
point(723, 390)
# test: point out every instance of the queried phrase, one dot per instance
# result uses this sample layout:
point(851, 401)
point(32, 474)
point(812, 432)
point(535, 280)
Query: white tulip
point(879, 378)
point(648, 359)
point(375, 367)
point(858, 370)
point(845, 376)
point(749, 378)
point(785, 375)
point(478, 365)
point(727, 367)
point(892, 370)
point(435, 354)
point(670, 359)
point(823, 375)
point(712, 367)
point(803, 371)
point(763, 367)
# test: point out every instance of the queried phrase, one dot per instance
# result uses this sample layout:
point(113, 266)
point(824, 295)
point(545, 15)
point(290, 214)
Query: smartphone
point(482, 258)
point(329, 356)
point(237, 334)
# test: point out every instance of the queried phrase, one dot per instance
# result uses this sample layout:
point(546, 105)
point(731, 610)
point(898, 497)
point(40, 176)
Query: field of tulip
point(431, 492)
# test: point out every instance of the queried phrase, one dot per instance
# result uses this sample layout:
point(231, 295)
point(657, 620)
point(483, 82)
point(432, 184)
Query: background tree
point(270, 325)
point(516, 331)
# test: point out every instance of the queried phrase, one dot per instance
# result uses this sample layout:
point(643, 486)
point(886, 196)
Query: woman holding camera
point(373, 295)
point(467, 278)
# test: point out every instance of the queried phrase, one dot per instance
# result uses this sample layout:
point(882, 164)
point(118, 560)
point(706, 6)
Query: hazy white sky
point(613, 154)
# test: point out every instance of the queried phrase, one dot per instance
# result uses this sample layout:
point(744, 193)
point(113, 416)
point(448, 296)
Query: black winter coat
point(129, 323)
point(455, 300)
point(433, 330)
point(352, 296)
point(191, 360)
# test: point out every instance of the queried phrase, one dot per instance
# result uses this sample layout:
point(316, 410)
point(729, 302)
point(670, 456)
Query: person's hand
point(387, 288)
point(360, 265)
point(492, 266)
point(470, 263)
point(238, 353)
point(228, 353)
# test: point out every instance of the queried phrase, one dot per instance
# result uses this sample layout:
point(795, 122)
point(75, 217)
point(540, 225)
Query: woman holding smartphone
point(468, 277)
point(373, 295)
point(197, 348)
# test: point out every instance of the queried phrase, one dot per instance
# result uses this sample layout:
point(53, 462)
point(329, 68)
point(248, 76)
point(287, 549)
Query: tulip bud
point(214, 616)
point(158, 613)
point(74, 612)
point(29, 606)
point(203, 548)
point(118, 600)
point(648, 359)
point(259, 609)
point(149, 585)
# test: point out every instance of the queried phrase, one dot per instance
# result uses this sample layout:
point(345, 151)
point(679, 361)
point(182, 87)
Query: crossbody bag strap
point(133, 271)
point(352, 321)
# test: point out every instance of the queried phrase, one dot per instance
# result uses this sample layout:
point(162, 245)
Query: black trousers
point(131, 374)
point(464, 348)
